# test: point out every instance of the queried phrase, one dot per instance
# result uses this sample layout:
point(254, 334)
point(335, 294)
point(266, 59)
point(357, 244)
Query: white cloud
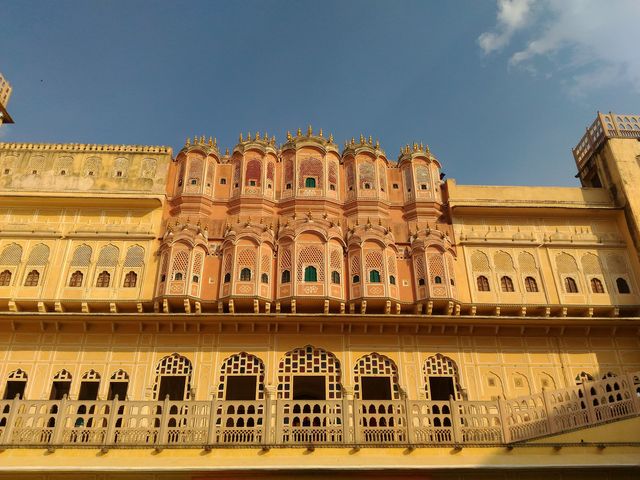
point(592, 43)
point(512, 16)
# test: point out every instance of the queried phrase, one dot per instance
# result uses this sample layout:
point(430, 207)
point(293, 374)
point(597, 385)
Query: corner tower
point(608, 156)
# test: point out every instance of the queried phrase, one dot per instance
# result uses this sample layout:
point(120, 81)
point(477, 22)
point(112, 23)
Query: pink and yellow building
point(299, 309)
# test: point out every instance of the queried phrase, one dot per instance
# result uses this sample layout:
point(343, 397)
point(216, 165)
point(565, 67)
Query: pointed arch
point(134, 257)
point(11, 254)
point(108, 256)
point(441, 378)
point(243, 366)
point(309, 360)
point(39, 255)
point(173, 367)
point(81, 256)
point(369, 370)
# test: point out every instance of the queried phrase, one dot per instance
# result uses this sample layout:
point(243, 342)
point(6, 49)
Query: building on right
point(5, 94)
point(608, 156)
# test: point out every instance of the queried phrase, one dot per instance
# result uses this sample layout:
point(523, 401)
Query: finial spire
point(309, 131)
point(188, 142)
point(299, 132)
point(289, 137)
point(240, 139)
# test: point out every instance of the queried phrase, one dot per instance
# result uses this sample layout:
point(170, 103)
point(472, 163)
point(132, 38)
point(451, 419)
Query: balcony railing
point(346, 422)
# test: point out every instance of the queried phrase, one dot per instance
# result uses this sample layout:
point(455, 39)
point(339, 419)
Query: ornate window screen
point(18, 374)
point(309, 360)
point(310, 167)
point(173, 365)
point(376, 365)
point(254, 172)
point(242, 363)
point(436, 266)
point(62, 375)
point(11, 255)
point(120, 376)
point(91, 375)
point(135, 257)
point(39, 255)
point(108, 256)
point(440, 366)
point(81, 256)
point(311, 256)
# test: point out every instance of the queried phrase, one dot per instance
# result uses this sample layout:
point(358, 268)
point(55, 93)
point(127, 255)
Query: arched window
point(437, 279)
point(89, 386)
point(5, 278)
point(623, 286)
point(264, 278)
point(483, 284)
point(596, 286)
point(570, 285)
point(227, 277)
point(286, 276)
point(356, 279)
point(173, 378)
point(441, 378)
point(309, 373)
point(530, 284)
point(421, 282)
point(375, 377)
point(130, 280)
point(76, 279)
point(118, 385)
point(245, 275)
point(241, 378)
point(33, 277)
point(61, 385)
point(310, 182)
point(507, 284)
point(374, 276)
point(310, 274)
point(16, 384)
point(103, 279)
point(195, 279)
point(392, 280)
point(178, 276)
point(335, 277)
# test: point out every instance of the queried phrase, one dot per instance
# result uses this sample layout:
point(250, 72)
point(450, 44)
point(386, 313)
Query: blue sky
point(500, 91)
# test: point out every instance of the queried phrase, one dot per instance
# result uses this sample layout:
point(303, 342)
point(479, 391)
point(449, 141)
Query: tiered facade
point(308, 295)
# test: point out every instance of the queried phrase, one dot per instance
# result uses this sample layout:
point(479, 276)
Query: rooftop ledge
point(524, 196)
point(86, 147)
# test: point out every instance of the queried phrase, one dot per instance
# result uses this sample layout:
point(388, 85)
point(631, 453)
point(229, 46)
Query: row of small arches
point(76, 279)
point(531, 285)
point(310, 275)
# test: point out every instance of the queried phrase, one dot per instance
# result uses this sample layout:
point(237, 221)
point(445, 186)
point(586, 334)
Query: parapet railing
point(611, 125)
point(348, 421)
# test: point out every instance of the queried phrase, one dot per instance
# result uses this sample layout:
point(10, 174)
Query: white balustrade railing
point(348, 421)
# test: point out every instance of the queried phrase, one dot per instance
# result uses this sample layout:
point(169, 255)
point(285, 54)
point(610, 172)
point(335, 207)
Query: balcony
point(345, 422)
